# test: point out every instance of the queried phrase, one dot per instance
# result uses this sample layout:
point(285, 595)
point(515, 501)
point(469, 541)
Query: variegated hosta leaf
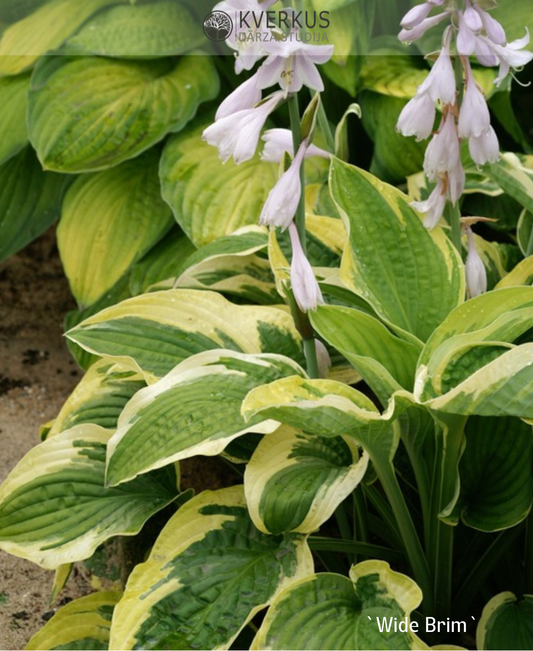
point(522, 274)
point(209, 572)
point(386, 362)
point(163, 28)
point(394, 74)
point(109, 221)
point(330, 611)
point(25, 41)
point(295, 481)
point(210, 200)
point(506, 623)
point(13, 103)
point(55, 509)
point(514, 178)
point(90, 113)
point(166, 260)
point(195, 409)
point(231, 264)
point(495, 471)
point(82, 624)
point(392, 260)
point(328, 408)
point(99, 398)
point(154, 332)
point(471, 366)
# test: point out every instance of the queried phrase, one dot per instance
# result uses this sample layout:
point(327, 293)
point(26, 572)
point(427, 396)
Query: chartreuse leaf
point(55, 509)
point(506, 623)
point(210, 200)
point(514, 178)
point(156, 331)
point(209, 572)
point(109, 220)
point(30, 201)
point(495, 471)
point(231, 265)
point(386, 362)
point(394, 74)
point(330, 611)
point(515, 19)
point(195, 409)
point(157, 29)
point(90, 113)
point(522, 274)
point(82, 624)
point(45, 29)
point(392, 260)
point(13, 10)
point(295, 481)
point(99, 398)
point(13, 103)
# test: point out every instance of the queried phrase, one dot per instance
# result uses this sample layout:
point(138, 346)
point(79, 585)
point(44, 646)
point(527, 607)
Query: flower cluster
point(474, 31)
point(289, 64)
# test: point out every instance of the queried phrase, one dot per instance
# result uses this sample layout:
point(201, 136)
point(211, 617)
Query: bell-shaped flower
point(493, 29)
point(466, 39)
point(443, 153)
point(440, 83)
point(472, 18)
point(303, 282)
point(245, 39)
point(512, 55)
point(474, 117)
point(323, 359)
point(279, 141)
point(292, 64)
point(476, 274)
point(417, 117)
point(484, 54)
point(433, 206)
point(416, 15)
point(484, 148)
point(456, 179)
point(237, 134)
point(411, 35)
point(282, 201)
point(246, 96)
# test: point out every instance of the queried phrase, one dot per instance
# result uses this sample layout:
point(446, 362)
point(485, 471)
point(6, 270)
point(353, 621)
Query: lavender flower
point(279, 141)
point(246, 96)
point(282, 201)
point(304, 285)
point(237, 134)
point(292, 64)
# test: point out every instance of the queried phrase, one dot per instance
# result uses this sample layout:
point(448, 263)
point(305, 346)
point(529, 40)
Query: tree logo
point(218, 26)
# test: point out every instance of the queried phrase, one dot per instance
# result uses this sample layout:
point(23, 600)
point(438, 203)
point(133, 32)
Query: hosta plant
point(315, 310)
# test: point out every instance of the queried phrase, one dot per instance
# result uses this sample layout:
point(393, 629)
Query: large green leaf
point(13, 102)
point(330, 611)
point(157, 29)
point(386, 362)
point(495, 471)
point(506, 623)
point(295, 481)
point(209, 572)
point(109, 220)
point(99, 398)
point(195, 409)
point(29, 201)
point(45, 29)
point(156, 331)
point(82, 624)
point(392, 260)
point(55, 509)
point(514, 178)
point(210, 200)
point(90, 113)
point(515, 16)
